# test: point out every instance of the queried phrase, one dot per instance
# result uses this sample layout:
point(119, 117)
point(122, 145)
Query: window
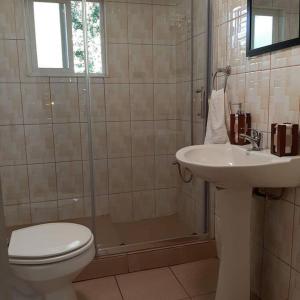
point(263, 31)
point(55, 37)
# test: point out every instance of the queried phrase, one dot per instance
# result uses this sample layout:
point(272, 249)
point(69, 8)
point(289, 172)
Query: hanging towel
point(218, 119)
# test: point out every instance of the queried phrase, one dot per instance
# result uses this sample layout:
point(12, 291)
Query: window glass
point(93, 36)
point(48, 34)
point(263, 31)
point(55, 37)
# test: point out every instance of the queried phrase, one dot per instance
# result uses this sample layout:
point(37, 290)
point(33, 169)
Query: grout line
point(177, 279)
point(292, 248)
point(130, 121)
point(54, 150)
point(115, 277)
point(262, 250)
point(84, 140)
point(295, 270)
point(24, 134)
point(83, 122)
point(277, 257)
point(106, 152)
point(154, 174)
point(97, 195)
point(145, 44)
point(166, 155)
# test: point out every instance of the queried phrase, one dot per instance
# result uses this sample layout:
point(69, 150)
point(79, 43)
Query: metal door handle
point(202, 112)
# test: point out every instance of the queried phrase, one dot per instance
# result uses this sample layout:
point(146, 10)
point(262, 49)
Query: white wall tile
point(140, 29)
point(142, 103)
point(120, 175)
point(14, 185)
point(12, 145)
point(10, 104)
point(17, 215)
point(42, 182)
point(65, 102)
point(9, 68)
point(67, 141)
point(69, 180)
point(39, 143)
point(44, 212)
point(36, 103)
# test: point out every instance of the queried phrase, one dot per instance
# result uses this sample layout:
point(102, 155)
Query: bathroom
point(92, 155)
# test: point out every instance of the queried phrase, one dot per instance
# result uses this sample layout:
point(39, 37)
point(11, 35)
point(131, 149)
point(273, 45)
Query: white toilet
point(50, 256)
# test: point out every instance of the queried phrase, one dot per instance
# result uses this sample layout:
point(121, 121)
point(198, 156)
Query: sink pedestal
point(238, 170)
point(234, 272)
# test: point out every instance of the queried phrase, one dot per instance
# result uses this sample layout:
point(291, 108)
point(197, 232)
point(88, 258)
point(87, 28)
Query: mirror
point(272, 25)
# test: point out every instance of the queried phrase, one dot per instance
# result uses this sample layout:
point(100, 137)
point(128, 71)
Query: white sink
point(230, 166)
point(235, 171)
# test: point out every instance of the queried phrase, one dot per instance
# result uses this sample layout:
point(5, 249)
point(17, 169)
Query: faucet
point(255, 139)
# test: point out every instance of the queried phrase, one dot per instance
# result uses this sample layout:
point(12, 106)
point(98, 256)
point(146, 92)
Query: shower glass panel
point(150, 106)
point(96, 147)
point(44, 164)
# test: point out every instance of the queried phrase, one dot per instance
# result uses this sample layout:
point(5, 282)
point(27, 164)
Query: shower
point(104, 93)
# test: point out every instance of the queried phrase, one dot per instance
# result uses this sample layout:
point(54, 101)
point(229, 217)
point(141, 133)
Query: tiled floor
point(196, 281)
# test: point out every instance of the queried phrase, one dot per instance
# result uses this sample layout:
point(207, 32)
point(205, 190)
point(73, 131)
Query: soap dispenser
point(240, 123)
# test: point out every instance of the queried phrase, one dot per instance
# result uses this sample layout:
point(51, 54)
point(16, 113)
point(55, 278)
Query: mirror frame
point(273, 47)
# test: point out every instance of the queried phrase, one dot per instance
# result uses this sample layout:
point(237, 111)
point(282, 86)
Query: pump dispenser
point(240, 123)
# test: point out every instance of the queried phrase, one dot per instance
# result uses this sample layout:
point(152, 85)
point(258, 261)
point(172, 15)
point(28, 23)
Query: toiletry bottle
point(240, 122)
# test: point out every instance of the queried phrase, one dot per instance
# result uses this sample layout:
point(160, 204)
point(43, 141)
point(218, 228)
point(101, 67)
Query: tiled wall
point(5, 277)
point(43, 130)
point(137, 125)
point(268, 86)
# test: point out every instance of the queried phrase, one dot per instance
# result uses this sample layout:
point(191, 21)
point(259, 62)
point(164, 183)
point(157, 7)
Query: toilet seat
point(48, 243)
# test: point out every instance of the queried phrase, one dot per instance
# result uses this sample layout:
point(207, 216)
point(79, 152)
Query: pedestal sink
point(235, 171)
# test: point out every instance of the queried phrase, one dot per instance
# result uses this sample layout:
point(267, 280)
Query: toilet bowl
point(50, 256)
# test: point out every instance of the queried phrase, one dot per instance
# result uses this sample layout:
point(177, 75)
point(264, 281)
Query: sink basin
point(235, 170)
point(230, 165)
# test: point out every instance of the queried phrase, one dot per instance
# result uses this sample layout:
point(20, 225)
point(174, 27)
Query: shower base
point(147, 244)
point(113, 237)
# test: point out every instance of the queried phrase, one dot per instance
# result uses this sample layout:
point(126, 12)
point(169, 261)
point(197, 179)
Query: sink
point(230, 165)
point(235, 171)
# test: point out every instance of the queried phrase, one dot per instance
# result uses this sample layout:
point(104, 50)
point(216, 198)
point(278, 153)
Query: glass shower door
point(98, 148)
point(44, 168)
point(141, 112)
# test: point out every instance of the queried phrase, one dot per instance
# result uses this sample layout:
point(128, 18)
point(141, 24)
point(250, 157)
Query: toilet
point(50, 256)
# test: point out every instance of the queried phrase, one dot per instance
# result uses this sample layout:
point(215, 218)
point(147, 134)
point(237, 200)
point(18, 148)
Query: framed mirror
point(272, 25)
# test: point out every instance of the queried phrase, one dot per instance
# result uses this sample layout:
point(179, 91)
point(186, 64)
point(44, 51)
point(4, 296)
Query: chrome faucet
point(256, 139)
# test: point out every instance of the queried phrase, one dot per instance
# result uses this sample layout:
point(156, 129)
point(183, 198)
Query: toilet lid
point(48, 240)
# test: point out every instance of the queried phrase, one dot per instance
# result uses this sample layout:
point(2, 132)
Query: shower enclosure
point(96, 121)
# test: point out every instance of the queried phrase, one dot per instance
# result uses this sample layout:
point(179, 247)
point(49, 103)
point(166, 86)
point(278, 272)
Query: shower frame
point(207, 88)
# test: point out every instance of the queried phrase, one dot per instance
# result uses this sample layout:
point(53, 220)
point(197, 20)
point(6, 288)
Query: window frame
point(266, 49)
point(67, 42)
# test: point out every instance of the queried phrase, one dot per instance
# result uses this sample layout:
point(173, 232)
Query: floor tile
point(295, 286)
point(156, 284)
point(198, 278)
point(98, 289)
point(205, 297)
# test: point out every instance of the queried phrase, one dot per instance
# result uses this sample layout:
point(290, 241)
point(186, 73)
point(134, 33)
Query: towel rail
point(226, 71)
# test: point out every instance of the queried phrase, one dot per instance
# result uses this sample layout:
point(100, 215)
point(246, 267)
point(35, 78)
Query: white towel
point(218, 119)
